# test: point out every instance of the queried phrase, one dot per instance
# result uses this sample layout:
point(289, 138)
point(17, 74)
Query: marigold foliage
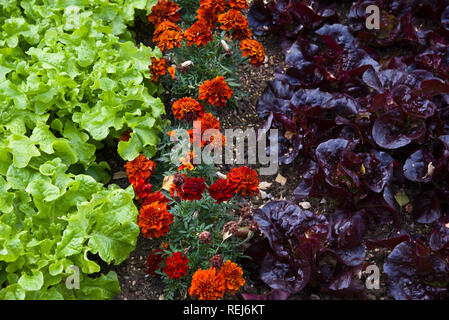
point(154, 220)
point(208, 284)
point(244, 180)
point(254, 50)
point(164, 10)
point(176, 266)
point(216, 91)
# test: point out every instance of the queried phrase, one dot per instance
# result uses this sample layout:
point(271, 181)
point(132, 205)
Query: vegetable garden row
point(362, 116)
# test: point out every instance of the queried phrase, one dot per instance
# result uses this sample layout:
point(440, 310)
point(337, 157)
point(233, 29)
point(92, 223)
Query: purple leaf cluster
point(365, 114)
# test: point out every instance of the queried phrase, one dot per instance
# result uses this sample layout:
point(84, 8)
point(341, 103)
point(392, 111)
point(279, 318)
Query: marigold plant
point(186, 108)
point(216, 91)
point(164, 10)
point(244, 180)
point(139, 170)
point(233, 275)
point(221, 191)
point(154, 220)
point(254, 50)
point(176, 266)
point(199, 33)
point(208, 284)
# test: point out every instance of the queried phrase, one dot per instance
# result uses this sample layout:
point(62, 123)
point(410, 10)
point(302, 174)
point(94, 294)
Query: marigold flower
point(209, 16)
point(154, 220)
point(254, 50)
point(217, 5)
point(154, 262)
point(186, 162)
point(139, 170)
point(244, 180)
point(238, 4)
point(143, 190)
point(241, 33)
point(164, 10)
point(172, 71)
point(199, 33)
point(221, 191)
point(208, 284)
point(176, 187)
point(193, 188)
point(126, 135)
point(154, 197)
point(157, 68)
point(232, 19)
point(233, 276)
point(168, 35)
point(216, 91)
point(186, 108)
point(176, 265)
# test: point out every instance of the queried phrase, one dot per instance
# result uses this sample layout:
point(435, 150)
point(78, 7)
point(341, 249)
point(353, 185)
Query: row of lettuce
point(71, 80)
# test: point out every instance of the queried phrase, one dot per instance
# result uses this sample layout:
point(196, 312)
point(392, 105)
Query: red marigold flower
point(254, 50)
point(233, 276)
point(154, 220)
point(193, 189)
point(139, 170)
point(244, 180)
point(221, 191)
point(154, 197)
point(186, 108)
point(172, 71)
point(154, 262)
point(168, 35)
point(216, 91)
point(238, 4)
point(158, 68)
point(143, 191)
point(208, 284)
point(176, 265)
point(164, 10)
point(241, 33)
point(199, 33)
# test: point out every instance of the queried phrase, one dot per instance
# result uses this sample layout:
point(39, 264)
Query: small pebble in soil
point(314, 297)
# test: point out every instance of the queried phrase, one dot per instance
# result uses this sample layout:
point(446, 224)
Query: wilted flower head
point(207, 284)
point(199, 33)
point(216, 261)
point(231, 227)
point(216, 91)
point(254, 50)
point(205, 237)
point(164, 10)
point(244, 180)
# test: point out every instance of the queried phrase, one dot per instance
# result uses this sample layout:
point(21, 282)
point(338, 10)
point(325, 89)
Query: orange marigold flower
point(164, 10)
point(254, 50)
point(172, 71)
point(157, 68)
point(208, 121)
point(176, 265)
point(233, 276)
point(154, 220)
point(186, 108)
point(244, 180)
point(207, 284)
point(217, 5)
point(168, 35)
point(154, 197)
point(241, 33)
point(199, 33)
point(207, 15)
point(164, 26)
point(193, 188)
point(232, 19)
point(238, 4)
point(216, 91)
point(139, 170)
point(126, 135)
